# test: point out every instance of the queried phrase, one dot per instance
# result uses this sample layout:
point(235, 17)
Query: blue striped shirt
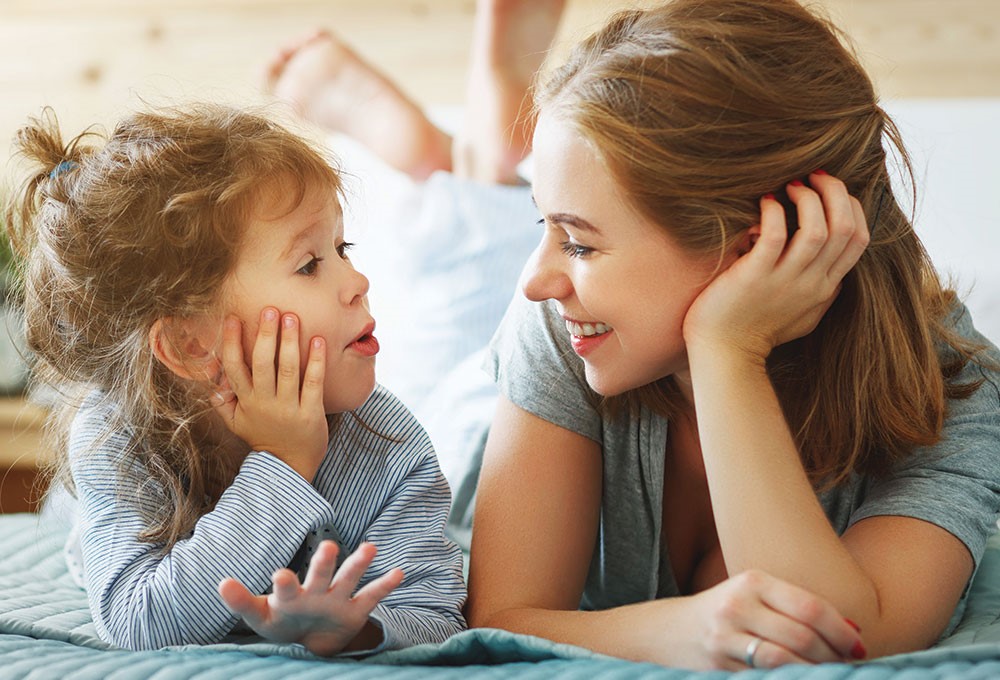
point(369, 487)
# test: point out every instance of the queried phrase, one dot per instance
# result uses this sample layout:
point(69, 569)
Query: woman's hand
point(792, 624)
point(779, 290)
point(267, 408)
point(323, 613)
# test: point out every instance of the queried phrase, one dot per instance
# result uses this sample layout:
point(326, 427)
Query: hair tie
point(64, 166)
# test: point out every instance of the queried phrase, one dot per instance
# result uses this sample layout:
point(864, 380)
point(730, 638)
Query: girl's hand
point(779, 291)
point(323, 613)
point(793, 625)
point(268, 409)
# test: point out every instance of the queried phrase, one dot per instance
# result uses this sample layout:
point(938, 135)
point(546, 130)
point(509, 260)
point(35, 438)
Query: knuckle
point(751, 579)
point(809, 610)
point(800, 640)
point(287, 371)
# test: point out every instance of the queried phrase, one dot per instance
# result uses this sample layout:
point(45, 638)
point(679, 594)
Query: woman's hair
point(700, 107)
point(121, 231)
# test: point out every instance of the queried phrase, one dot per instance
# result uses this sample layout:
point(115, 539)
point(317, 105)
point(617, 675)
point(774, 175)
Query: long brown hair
point(118, 232)
point(698, 108)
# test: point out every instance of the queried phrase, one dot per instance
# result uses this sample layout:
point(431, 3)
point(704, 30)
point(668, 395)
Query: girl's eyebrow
point(293, 243)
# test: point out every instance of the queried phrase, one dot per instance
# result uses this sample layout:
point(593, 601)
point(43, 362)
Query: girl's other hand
point(323, 613)
point(792, 624)
point(271, 411)
point(779, 290)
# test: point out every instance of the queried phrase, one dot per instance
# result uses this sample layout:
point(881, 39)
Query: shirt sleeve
point(534, 365)
point(142, 598)
point(954, 484)
point(393, 456)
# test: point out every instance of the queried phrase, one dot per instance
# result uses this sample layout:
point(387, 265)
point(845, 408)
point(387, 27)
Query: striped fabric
point(369, 487)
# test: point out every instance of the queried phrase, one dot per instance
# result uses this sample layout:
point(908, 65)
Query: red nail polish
point(820, 172)
point(769, 197)
point(797, 183)
point(858, 651)
point(852, 625)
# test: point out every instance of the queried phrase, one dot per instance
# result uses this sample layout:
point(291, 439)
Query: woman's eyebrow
point(573, 221)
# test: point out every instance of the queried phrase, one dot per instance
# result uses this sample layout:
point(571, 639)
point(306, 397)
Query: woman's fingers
point(288, 359)
point(770, 244)
point(855, 247)
point(264, 350)
point(846, 228)
point(812, 235)
point(815, 614)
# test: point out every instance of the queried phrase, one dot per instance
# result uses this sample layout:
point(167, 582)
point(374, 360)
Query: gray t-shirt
point(954, 484)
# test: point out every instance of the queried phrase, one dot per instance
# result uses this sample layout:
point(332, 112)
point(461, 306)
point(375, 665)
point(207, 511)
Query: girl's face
point(296, 261)
point(622, 285)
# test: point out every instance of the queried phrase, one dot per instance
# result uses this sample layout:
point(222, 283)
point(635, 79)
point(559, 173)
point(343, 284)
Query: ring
point(752, 648)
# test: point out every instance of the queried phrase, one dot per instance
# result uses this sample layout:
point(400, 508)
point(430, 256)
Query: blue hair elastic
point(64, 166)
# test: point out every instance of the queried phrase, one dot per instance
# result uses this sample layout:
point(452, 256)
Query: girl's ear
point(177, 344)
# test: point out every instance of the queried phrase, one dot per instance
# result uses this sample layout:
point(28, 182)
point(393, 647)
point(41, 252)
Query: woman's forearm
point(767, 514)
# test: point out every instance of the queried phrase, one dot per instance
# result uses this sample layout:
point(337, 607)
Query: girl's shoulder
point(96, 432)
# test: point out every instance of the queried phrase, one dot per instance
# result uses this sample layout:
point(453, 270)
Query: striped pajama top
point(387, 490)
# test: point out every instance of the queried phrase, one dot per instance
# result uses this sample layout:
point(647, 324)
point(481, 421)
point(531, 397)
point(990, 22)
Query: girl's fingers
point(321, 568)
point(235, 368)
point(315, 375)
point(241, 601)
point(285, 585)
point(374, 592)
point(288, 359)
point(264, 351)
point(353, 568)
point(855, 248)
point(812, 234)
point(816, 614)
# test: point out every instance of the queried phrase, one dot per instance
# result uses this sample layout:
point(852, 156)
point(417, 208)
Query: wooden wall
point(91, 59)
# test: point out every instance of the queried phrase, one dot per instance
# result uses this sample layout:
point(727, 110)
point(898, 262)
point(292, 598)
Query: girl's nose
point(543, 277)
point(356, 288)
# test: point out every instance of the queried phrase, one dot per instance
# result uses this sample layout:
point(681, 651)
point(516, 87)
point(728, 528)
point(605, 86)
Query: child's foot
point(329, 84)
point(510, 41)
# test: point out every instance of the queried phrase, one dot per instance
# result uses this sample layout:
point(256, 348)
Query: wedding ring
point(751, 650)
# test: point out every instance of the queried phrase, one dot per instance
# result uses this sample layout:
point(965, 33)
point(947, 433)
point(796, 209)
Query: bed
point(45, 626)
point(46, 632)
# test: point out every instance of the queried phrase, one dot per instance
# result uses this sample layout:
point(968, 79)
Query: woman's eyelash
point(309, 268)
point(575, 249)
point(343, 248)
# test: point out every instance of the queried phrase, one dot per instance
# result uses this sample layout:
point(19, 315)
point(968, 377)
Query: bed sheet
point(46, 631)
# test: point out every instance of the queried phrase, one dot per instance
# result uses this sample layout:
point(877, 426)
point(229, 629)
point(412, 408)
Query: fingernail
point(288, 321)
point(769, 197)
point(270, 314)
point(318, 343)
point(796, 183)
point(858, 651)
point(852, 625)
point(821, 171)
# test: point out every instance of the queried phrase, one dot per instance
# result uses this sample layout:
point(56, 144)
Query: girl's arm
point(899, 578)
point(536, 528)
point(142, 599)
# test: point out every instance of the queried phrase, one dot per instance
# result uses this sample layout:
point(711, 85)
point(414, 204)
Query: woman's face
point(621, 283)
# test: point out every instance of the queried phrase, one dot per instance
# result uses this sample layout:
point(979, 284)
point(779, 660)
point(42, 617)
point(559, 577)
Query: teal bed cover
point(46, 632)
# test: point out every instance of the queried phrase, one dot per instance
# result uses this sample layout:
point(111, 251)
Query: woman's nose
point(543, 277)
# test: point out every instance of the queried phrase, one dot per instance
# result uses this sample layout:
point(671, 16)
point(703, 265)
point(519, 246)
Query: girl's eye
point(575, 249)
point(343, 248)
point(309, 268)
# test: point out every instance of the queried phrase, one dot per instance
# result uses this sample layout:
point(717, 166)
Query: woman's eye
point(309, 268)
point(343, 248)
point(575, 249)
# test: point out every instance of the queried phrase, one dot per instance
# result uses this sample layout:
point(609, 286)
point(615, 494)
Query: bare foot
point(329, 84)
point(510, 41)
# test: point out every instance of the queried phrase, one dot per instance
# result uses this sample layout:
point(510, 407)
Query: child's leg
point(329, 84)
point(509, 44)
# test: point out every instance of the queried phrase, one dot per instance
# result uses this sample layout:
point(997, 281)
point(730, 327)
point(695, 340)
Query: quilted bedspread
point(46, 632)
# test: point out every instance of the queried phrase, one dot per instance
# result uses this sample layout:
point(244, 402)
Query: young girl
point(732, 433)
point(202, 466)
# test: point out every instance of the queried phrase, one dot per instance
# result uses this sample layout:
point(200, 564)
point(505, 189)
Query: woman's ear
point(747, 238)
point(178, 345)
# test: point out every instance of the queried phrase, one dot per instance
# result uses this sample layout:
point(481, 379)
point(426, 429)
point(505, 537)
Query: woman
point(742, 422)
